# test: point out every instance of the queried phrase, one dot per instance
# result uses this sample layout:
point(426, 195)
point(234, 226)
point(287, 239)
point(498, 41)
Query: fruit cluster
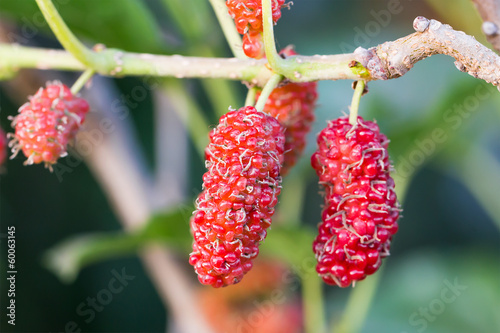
point(240, 190)
point(248, 153)
point(47, 123)
point(247, 15)
point(361, 209)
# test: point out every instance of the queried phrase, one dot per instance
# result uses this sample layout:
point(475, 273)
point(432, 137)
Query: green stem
point(228, 28)
point(114, 62)
point(65, 36)
point(312, 298)
point(358, 304)
point(250, 100)
point(267, 90)
point(84, 78)
point(358, 92)
point(277, 63)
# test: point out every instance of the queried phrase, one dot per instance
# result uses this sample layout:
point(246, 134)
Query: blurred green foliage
point(127, 24)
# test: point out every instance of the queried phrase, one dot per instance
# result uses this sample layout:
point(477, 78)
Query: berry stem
point(358, 92)
point(233, 38)
point(267, 90)
point(250, 100)
point(84, 78)
point(277, 63)
point(358, 304)
point(65, 36)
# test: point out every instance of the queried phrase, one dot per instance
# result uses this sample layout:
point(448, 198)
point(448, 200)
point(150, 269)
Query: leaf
point(67, 258)
point(124, 24)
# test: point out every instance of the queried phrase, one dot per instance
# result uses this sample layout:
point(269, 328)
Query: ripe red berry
point(361, 209)
point(3, 147)
point(247, 15)
point(46, 124)
point(240, 190)
point(253, 45)
point(293, 105)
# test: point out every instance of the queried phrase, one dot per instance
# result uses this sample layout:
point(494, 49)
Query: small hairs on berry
point(47, 123)
point(361, 210)
point(240, 190)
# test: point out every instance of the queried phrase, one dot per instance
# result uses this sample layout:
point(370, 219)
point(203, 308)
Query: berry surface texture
point(247, 16)
point(240, 190)
point(47, 123)
point(361, 209)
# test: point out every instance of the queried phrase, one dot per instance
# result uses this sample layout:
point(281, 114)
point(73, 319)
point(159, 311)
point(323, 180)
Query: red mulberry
point(247, 15)
point(46, 124)
point(293, 105)
point(361, 209)
point(240, 190)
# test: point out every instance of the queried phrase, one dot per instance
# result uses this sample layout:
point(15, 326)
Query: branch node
point(420, 24)
point(371, 61)
point(460, 66)
point(490, 29)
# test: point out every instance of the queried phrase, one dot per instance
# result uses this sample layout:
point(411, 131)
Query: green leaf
point(67, 258)
point(124, 24)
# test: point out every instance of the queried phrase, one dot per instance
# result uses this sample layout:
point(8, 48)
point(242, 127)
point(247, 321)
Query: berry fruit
point(240, 190)
point(293, 105)
point(247, 15)
point(253, 45)
point(46, 124)
point(361, 210)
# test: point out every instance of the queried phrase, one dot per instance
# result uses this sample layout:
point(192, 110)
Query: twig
point(394, 59)
point(250, 99)
point(267, 90)
point(86, 56)
point(389, 60)
point(278, 64)
point(82, 80)
point(358, 92)
point(490, 13)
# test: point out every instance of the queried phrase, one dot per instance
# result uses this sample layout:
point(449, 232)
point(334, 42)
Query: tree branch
point(389, 60)
point(490, 13)
point(394, 59)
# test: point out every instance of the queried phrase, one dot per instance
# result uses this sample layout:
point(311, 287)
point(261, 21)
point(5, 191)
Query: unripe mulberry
point(293, 105)
point(247, 15)
point(240, 190)
point(46, 124)
point(361, 209)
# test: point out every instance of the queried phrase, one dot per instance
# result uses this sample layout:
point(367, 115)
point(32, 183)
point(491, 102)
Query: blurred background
point(449, 234)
